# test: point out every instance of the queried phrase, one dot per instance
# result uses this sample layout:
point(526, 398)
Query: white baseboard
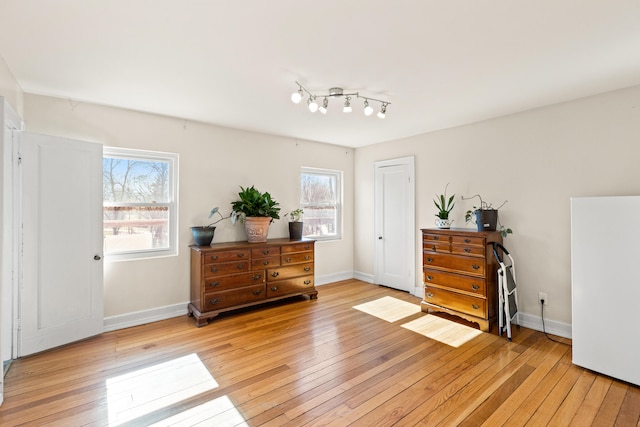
point(336, 277)
point(363, 276)
point(137, 318)
point(552, 327)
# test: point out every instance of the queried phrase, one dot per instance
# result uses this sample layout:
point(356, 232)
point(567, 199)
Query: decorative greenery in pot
point(203, 235)
point(485, 216)
point(295, 224)
point(257, 210)
point(444, 206)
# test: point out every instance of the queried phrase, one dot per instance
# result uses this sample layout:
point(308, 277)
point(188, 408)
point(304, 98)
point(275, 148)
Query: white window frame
point(339, 202)
point(172, 204)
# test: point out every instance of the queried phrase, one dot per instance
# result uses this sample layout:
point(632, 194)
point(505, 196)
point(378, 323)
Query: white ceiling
point(440, 63)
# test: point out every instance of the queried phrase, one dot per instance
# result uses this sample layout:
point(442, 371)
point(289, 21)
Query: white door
point(61, 295)
point(395, 224)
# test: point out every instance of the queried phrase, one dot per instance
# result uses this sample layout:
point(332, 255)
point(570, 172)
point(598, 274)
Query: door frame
point(410, 215)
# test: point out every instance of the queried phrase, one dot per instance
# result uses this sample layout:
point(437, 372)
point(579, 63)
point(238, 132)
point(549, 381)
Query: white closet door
point(61, 297)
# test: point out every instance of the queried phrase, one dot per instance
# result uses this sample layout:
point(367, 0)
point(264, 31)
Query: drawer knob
point(429, 278)
point(307, 282)
point(435, 237)
point(429, 295)
point(240, 254)
point(475, 287)
point(275, 274)
point(467, 240)
point(433, 248)
point(475, 267)
point(475, 306)
point(265, 252)
point(214, 257)
point(307, 258)
point(287, 260)
point(214, 284)
point(214, 301)
point(467, 250)
point(240, 266)
point(265, 262)
point(307, 269)
point(214, 269)
point(257, 292)
point(429, 259)
point(307, 247)
point(274, 288)
point(257, 277)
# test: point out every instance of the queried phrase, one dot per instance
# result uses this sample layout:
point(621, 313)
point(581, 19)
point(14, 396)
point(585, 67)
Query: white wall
point(214, 162)
point(536, 160)
point(9, 87)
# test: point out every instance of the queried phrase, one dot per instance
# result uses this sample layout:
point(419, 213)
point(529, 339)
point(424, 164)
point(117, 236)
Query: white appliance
point(605, 285)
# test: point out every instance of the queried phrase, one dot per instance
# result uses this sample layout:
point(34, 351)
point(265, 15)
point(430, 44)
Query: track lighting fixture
point(337, 92)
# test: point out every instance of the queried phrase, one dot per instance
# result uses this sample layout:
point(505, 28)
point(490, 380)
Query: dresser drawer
point(218, 300)
point(296, 258)
point(224, 256)
point(233, 281)
point(456, 301)
point(289, 286)
point(455, 263)
point(273, 261)
point(468, 284)
point(468, 240)
point(442, 247)
point(211, 270)
point(289, 272)
point(469, 250)
point(434, 238)
point(298, 247)
point(268, 251)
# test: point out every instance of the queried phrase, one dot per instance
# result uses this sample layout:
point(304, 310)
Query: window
point(321, 200)
point(139, 203)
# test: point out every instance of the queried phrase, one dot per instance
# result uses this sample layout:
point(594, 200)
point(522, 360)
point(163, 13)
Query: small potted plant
point(295, 224)
point(444, 205)
point(203, 235)
point(257, 210)
point(486, 217)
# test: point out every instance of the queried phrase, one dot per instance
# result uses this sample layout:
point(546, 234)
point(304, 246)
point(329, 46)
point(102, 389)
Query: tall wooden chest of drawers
point(226, 276)
point(460, 273)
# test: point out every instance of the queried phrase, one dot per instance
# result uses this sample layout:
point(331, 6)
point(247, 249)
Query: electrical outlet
point(543, 296)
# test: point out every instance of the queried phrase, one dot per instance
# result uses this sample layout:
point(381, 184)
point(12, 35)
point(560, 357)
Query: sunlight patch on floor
point(389, 308)
point(218, 412)
point(445, 331)
point(144, 391)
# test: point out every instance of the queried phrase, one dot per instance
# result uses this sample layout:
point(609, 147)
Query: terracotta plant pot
point(257, 228)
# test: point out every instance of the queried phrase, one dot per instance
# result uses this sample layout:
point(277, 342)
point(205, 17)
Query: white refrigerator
point(605, 285)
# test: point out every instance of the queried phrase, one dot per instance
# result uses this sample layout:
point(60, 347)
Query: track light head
point(347, 105)
point(368, 109)
point(296, 97)
point(383, 111)
point(313, 105)
point(325, 104)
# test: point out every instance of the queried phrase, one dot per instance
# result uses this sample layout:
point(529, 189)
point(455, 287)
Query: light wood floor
point(320, 362)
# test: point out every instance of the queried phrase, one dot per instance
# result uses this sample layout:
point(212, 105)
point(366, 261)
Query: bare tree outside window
point(320, 198)
point(137, 203)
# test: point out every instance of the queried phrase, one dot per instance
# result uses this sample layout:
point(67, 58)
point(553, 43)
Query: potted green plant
point(203, 235)
point(295, 224)
point(444, 205)
point(257, 210)
point(486, 217)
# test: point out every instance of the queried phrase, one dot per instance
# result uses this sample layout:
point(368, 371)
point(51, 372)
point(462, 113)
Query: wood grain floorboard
point(301, 362)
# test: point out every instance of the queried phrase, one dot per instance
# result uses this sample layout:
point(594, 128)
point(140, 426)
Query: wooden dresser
point(226, 276)
point(460, 273)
